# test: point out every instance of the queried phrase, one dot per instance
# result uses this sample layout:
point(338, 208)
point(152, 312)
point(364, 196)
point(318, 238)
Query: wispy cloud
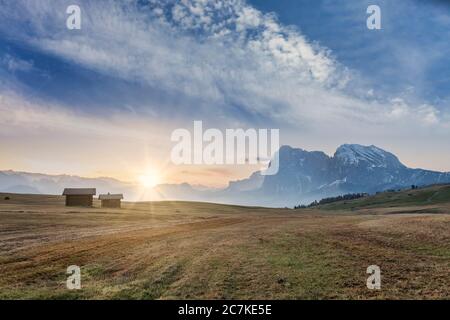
point(224, 53)
point(14, 64)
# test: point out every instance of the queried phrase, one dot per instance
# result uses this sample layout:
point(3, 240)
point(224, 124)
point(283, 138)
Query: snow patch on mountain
point(353, 154)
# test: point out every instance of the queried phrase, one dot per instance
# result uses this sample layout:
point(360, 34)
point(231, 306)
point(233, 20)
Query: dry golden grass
point(168, 250)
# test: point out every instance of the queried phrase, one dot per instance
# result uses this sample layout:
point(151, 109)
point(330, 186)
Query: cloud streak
point(223, 53)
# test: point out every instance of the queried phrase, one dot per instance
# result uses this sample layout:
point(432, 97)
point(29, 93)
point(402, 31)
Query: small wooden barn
point(111, 200)
point(79, 197)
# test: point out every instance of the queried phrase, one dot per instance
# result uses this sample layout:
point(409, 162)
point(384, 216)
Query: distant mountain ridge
point(38, 183)
point(26, 182)
point(303, 176)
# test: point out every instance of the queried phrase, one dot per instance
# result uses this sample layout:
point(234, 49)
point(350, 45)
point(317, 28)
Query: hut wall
point(79, 201)
point(111, 203)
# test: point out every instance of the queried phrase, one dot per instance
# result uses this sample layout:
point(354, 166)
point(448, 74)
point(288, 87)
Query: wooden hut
point(79, 197)
point(111, 200)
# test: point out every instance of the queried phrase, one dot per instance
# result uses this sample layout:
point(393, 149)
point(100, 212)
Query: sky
point(104, 100)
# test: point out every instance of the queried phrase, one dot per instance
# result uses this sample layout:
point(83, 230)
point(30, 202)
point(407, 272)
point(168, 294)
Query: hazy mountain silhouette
point(303, 176)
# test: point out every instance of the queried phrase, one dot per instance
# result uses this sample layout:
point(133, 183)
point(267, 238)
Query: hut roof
point(79, 192)
point(110, 197)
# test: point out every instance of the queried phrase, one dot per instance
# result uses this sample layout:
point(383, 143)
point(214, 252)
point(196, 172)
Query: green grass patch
point(426, 196)
point(303, 266)
point(152, 288)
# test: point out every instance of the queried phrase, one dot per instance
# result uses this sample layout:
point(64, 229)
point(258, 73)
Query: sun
point(149, 179)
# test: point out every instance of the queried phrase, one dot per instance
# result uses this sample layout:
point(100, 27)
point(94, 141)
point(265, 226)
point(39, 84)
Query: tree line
point(348, 196)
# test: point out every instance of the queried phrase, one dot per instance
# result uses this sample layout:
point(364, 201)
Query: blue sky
point(410, 53)
point(409, 57)
point(139, 69)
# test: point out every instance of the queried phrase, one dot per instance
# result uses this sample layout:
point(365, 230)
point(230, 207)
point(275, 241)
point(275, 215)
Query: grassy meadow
point(189, 250)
